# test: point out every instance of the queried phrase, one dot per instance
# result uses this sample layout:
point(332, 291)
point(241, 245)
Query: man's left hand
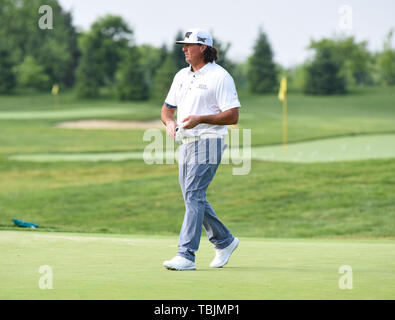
point(190, 122)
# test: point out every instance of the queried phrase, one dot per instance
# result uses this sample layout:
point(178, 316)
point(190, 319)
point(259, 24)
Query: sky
point(289, 24)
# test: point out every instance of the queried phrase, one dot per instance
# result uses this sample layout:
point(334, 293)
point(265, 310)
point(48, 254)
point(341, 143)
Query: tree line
point(106, 58)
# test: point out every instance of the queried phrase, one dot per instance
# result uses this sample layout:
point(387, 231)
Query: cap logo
point(201, 39)
point(188, 34)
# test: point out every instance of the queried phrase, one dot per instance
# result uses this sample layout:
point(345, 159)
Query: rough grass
point(351, 199)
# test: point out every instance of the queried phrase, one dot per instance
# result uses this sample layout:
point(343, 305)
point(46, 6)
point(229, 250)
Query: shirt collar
point(202, 70)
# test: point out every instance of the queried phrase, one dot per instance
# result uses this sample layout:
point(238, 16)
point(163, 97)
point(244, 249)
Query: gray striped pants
point(198, 163)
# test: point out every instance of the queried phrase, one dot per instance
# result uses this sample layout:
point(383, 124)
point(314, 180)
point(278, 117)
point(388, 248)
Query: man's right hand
point(171, 127)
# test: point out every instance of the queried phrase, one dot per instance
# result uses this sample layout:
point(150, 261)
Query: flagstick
point(282, 95)
point(56, 101)
point(55, 94)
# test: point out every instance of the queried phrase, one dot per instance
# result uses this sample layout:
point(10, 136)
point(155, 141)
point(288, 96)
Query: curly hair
point(210, 54)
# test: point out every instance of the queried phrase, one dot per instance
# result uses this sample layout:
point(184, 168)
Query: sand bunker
point(116, 125)
point(112, 125)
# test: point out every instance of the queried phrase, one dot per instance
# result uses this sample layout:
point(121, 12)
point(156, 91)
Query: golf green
point(349, 148)
point(38, 265)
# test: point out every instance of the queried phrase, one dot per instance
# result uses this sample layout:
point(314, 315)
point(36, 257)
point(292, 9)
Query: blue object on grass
point(23, 224)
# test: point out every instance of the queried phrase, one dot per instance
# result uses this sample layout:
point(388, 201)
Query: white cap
point(197, 36)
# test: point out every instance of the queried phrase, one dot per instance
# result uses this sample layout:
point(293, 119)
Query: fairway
point(362, 147)
point(93, 266)
point(64, 114)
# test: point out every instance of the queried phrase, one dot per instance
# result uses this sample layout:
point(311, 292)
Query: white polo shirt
point(210, 90)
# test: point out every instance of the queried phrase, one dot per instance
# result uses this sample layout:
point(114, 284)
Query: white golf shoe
point(179, 263)
point(222, 255)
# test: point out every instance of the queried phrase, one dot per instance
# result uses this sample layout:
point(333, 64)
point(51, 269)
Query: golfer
point(206, 100)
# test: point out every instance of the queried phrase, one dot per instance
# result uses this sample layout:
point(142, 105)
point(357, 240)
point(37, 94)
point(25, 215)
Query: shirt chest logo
point(202, 86)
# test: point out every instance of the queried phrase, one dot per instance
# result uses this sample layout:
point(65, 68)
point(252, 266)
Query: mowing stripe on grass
point(362, 147)
point(67, 157)
point(64, 114)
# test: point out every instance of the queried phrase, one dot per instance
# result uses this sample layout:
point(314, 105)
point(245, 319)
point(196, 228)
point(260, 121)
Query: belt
point(201, 137)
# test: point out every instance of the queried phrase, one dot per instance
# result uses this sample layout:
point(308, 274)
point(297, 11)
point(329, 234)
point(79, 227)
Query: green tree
point(240, 74)
point(297, 77)
point(177, 53)
point(32, 75)
point(55, 50)
point(89, 72)
point(113, 35)
point(323, 74)
point(102, 49)
point(357, 62)
point(7, 75)
point(151, 58)
point(131, 83)
point(223, 60)
point(386, 62)
point(164, 78)
point(262, 75)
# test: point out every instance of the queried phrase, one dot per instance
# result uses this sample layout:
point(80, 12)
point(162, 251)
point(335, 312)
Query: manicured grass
point(364, 111)
point(135, 210)
point(64, 114)
point(352, 199)
point(345, 199)
point(362, 147)
point(130, 267)
point(37, 137)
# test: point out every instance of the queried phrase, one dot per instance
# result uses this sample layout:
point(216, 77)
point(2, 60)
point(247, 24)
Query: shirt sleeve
point(171, 99)
point(226, 94)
